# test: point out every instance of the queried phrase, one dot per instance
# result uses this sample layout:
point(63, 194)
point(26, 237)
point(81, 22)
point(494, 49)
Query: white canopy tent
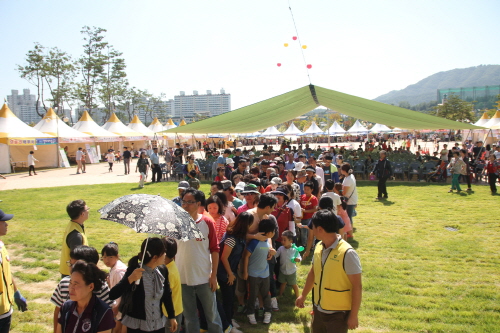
point(53, 125)
point(251, 135)
point(271, 132)
point(357, 128)
point(379, 128)
point(156, 126)
point(114, 125)
point(483, 120)
point(170, 124)
point(292, 130)
point(495, 120)
point(136, 125)
point(17, 139)
point(313, 130)
point(87, 125)
point(336, 130)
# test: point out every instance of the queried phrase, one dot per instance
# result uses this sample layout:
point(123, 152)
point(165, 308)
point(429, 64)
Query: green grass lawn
point(417, 276)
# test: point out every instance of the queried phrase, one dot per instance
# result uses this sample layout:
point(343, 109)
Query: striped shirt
point(61, 294)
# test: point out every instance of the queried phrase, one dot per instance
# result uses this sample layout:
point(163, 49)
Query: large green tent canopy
point(293, 104)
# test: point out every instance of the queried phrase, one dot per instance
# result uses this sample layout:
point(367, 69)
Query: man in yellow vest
point(8, 291)
point(335, 276)
point(74, 234)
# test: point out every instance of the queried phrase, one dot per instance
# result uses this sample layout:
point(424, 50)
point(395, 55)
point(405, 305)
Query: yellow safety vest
point(63, 267)
point(6, 287)
point(332, 288)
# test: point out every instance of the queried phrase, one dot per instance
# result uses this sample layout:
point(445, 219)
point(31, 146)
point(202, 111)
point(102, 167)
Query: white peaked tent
point(313, 130)
point(114, 125)
point(53, 125)
point(336, 129)
point(271, 132)
point(357, 128)
point(88, 126)
point(379, 128)
point(136, 125)
point(292, 130)
point(251, 135)
point(170, 124)
point(494, 121)
point(156, 126)
point(17, 139)
point(483, 120)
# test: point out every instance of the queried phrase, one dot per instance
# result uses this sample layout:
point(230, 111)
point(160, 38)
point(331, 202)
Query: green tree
point(455, 109)
point(34, 73)
point(59, 73)
point(92, 65)
point(404, 105)
point(113, 81)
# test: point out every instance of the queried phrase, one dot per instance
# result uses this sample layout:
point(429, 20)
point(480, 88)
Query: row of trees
point(97, 78)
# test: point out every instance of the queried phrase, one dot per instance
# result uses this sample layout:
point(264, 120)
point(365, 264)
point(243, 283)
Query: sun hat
point(310, 168)
point(4, 216)
point(240, 186)
point(280, 191)
point(250, 188)
point(183, 184)
point(298, 166)
point(277, 181)
point(226, 184)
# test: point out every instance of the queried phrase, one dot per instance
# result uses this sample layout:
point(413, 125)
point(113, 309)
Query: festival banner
point(46, 141)
point(22, 142)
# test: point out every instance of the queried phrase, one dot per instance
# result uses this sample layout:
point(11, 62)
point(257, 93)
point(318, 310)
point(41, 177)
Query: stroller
point(438, 175)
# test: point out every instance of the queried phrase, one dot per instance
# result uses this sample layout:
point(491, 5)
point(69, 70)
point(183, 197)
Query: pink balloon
point(309, 66)
point(279, 64)
point(294, 37)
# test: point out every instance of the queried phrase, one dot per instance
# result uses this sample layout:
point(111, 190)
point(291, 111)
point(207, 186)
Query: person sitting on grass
point(62, 294)
point(85, 310)
point(256, 271)
point(288, 269)
point(192, 180)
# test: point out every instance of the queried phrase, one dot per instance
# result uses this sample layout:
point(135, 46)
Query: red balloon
point(279, 64)
point(309, 66)
point(294, 37)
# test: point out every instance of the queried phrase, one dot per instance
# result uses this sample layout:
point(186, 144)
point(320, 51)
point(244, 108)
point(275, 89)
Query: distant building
point(24, 106)
point(187, 107)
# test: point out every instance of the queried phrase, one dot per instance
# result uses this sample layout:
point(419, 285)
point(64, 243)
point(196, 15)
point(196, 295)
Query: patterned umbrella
point(152, 214)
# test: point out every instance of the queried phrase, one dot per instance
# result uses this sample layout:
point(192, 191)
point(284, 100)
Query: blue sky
point(363, 48)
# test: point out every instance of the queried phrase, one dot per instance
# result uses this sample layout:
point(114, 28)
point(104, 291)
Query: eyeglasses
point(87, 209)
point(184, 202)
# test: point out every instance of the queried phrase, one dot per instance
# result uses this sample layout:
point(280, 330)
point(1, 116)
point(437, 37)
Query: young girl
point(153, 289)
point(232, 245)
point(111, 259)
point(349, 190)
point(341, 210)
point(215, 208)
point(111, 159)
point(491, 168)
point(142, 166)
point(220, 174)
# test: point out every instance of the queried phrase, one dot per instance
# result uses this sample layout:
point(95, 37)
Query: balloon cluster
point(297, 250)
point(303, 47)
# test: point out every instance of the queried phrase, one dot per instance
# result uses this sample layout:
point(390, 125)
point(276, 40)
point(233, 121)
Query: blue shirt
point(155, 159)
point(257, 263)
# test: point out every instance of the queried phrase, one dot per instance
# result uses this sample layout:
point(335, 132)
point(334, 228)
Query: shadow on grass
point(354, 243)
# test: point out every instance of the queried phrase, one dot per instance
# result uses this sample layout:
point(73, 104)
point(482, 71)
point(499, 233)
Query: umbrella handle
point(143, 254)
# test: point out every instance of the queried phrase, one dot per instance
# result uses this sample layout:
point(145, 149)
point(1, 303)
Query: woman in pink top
point(215, 208)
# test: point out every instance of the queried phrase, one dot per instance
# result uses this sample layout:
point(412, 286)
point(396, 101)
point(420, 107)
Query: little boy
point(174, 279)
point(193, 181)
point(288, 270)
point(256, 271)
point(309, 204)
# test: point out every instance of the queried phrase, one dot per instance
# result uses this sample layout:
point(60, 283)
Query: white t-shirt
point(110, 157)
point(295, 206)
point(352, 194)
point(336, 200)
point(78, 155)
point(320, 173)
point(497, 154)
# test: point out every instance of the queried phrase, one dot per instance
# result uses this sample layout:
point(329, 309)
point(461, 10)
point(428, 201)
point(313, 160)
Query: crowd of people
point(263, 214)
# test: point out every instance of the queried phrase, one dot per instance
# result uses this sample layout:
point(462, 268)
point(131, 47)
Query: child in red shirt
point(309, 204)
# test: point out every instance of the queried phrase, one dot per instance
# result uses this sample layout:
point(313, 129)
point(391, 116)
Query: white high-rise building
point(24, 106)
point(187, 106)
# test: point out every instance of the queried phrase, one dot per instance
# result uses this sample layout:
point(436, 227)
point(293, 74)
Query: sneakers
point(251, 319)
point(274, 304)
point(77, 173)
point(235, 324)
point(267, 318)
point(84, 171)
point(235, 330)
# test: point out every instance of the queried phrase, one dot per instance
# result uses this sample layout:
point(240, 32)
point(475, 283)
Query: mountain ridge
point(425, 90)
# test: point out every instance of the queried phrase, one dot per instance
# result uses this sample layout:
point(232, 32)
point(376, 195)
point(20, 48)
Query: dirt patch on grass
point(45, 287)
